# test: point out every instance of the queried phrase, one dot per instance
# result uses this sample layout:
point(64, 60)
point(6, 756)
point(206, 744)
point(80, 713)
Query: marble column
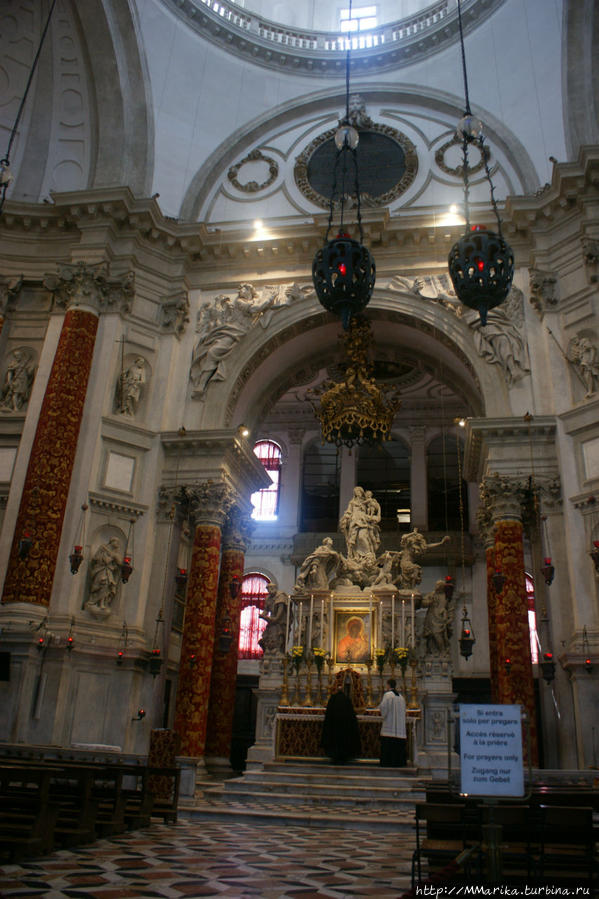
point(84, 291)
point(515, 684)
point(209, 504)
point(224, 664)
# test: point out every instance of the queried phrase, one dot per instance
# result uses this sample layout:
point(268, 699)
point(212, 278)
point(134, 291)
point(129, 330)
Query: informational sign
point(491, 750)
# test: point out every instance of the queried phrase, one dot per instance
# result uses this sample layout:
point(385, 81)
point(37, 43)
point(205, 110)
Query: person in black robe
point(340, 732)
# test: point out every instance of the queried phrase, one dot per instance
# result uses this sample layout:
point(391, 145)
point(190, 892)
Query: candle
point(287, 623)
point(299, 626)
point(381, 623)
point(412, 643)
point(331, 626)
point(393, 620)
point(370, 631)
point(403, 622)
point(309, 640)
point(322, 622)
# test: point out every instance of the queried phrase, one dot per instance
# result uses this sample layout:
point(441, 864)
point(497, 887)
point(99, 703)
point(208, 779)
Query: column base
point(218, 766)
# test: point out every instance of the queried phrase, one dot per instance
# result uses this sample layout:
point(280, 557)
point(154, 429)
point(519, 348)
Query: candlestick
point(370, 631)
point(331, 626)
point(309, 640)
point(392, 621)
point(287, 623)
point(412, 642)
point(322, 622)
point(381, 623)
point(403, 622)
point(299, 626)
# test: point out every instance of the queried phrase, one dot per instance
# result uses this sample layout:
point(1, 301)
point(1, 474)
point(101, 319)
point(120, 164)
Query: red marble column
point(224, 669)
point(515, 684)
point(492, 615)
point(44, 498)
point(210, 503)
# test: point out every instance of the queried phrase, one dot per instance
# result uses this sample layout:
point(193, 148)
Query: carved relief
point(500, 341)
point(252, 187)
point(582, 353)
point(224, 321)
point(543, 290)
point(456, 171)
point(590, 255)
point(89, 285)
point(9, 291)
point(175, 314)
point(18, 380)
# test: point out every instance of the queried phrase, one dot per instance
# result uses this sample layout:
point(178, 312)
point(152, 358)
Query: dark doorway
point(244, 720)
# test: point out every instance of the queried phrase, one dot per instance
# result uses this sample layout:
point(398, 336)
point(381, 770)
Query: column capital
point(209, 501)
point(501, 498)
point(89, 286)
point(237, 529)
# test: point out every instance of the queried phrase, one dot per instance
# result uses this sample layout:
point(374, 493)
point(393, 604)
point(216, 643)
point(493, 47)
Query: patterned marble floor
point(203, 859)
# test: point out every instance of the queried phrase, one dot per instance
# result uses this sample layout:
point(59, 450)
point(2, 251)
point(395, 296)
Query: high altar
point(355, 620)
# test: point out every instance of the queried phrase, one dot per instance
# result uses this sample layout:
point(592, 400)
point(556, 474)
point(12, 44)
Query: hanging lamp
point(343, 271)
point(481, 264)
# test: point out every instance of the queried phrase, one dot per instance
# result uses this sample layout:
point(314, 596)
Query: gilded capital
point(80, 284)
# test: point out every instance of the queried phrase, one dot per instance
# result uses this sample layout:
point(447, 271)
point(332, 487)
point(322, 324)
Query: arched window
point(253, 593)
point(320, 488)
point(443, 486)
point(385, 469)
point(532, 619)
point(266, 501)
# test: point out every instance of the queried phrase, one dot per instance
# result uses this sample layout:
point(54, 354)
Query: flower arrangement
point(401, 657)
point(319, 658)
point(297, 655)
point(380, 657)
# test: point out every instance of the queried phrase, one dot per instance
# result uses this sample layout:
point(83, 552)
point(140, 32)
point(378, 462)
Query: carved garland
point(253, 187)
point(300, 170)
point(456, 171)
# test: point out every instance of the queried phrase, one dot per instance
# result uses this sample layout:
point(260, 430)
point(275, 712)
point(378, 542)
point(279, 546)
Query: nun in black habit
point(340, 732)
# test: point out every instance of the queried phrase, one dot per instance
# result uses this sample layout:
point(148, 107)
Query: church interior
point(299, 390)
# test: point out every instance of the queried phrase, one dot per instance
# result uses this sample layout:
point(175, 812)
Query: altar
point(298, 732)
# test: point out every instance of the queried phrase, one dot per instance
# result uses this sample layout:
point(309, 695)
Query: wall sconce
point(123, 640)
point(507, 665)
point(498, 581)
point(234, 586)
point(181, 578)
point(547, 667)
point(449, 587)
point(70, 641)
point(192, 659)
point(586, 651)
point(76, 557)
point(127, 563)
point(41, 643)
point(141, 713)
point(548, 571)
point(467, 639)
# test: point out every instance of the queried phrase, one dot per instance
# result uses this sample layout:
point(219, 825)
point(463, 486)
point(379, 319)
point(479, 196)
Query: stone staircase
point(359, 795)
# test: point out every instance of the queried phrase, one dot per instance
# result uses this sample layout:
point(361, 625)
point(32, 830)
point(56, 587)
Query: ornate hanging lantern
point(343, 271)
point(548, 571)
point(548, 667)
point(467, 639)
point(481, 264)
point(355, 410)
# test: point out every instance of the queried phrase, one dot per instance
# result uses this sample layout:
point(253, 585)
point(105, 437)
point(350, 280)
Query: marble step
point(366, 799)
point(353, 789)
point(300, 778)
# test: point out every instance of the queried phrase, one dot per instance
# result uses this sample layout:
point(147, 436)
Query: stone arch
point(238, 144)
point(302, 339)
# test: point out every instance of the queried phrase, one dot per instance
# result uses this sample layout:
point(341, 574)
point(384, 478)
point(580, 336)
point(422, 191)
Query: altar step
point(359, 795)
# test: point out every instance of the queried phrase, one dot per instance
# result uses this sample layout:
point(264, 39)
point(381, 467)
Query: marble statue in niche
point(105, 573)
point(131, 387)
point(18, 381)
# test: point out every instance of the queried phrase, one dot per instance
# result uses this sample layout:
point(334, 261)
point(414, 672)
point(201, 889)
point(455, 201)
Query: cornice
point(482, 433)
point(311, 53)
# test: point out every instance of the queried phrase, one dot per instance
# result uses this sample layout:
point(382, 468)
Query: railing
point(404, 30)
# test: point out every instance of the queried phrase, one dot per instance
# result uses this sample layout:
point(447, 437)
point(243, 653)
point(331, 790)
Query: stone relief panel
point(224, 321)
point(543, 290)
point(255, 163)
point(18, 380)
point(174, 314)
point(583, 355)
